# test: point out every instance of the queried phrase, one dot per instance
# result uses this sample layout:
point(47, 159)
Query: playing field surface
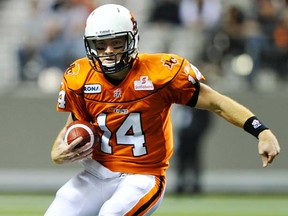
point(205, 205)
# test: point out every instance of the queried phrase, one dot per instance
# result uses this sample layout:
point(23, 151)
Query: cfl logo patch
point(117, 93)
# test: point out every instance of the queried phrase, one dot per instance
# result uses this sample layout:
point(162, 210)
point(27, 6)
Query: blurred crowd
point(207, 32)
point(53, 36)
point(234, 39)
point(229, 38)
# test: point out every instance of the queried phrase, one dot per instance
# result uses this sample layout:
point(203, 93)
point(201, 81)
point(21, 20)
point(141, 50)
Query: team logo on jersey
point(73, 69)
point(143, 84)
point(117, 93)
point(92, 88)
point(169, 61)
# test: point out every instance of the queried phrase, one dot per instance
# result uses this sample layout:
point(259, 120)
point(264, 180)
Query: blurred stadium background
point(29, 121)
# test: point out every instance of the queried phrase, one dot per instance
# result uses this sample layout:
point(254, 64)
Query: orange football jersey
point(133, 117)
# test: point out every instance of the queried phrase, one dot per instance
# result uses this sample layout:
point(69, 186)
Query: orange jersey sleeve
point(133, 117)
point(71, 91)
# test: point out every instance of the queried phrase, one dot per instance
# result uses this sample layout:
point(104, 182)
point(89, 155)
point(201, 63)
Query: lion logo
point(169, 61)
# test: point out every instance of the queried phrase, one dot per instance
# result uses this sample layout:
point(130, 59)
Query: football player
point(128, 96)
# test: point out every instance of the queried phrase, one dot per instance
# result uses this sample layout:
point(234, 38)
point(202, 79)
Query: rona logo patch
point(92, 89)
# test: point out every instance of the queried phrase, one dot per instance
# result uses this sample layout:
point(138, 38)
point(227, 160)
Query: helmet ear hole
point(106, 22)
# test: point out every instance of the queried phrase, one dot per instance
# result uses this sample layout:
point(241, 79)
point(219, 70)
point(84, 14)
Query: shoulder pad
point(162, 60)
point(163, 67)
point(76, 74)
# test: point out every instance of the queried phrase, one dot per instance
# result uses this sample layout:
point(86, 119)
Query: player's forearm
point(56, 148)
point(232, 111)
point(222, 105)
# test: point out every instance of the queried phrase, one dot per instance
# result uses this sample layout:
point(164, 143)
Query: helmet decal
point(134, 22)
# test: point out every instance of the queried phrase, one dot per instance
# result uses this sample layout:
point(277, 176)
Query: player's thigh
point(82, 195)
point(135, 195)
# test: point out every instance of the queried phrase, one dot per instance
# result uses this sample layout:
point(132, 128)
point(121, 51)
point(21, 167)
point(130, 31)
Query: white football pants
point(99, 191)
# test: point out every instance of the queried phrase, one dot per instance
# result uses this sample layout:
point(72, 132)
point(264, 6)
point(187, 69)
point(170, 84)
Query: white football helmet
point(111, 21)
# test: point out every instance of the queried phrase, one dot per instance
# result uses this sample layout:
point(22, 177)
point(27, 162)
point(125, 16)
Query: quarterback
point(128, 96)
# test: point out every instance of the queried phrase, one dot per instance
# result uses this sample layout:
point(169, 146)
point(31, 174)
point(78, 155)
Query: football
point(84, 129)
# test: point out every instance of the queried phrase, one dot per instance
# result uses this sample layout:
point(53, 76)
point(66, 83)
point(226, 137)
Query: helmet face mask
point(122, 59)
point(109, 22)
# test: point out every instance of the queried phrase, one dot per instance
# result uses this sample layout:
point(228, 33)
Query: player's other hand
point(64, 153)
point(268, 147)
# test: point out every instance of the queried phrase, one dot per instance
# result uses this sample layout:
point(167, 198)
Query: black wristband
point(254, 126)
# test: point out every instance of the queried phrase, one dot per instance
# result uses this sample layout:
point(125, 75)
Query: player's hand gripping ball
point(84, 129)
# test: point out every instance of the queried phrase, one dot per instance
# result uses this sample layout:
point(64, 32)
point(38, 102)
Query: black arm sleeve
point(193, 101)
